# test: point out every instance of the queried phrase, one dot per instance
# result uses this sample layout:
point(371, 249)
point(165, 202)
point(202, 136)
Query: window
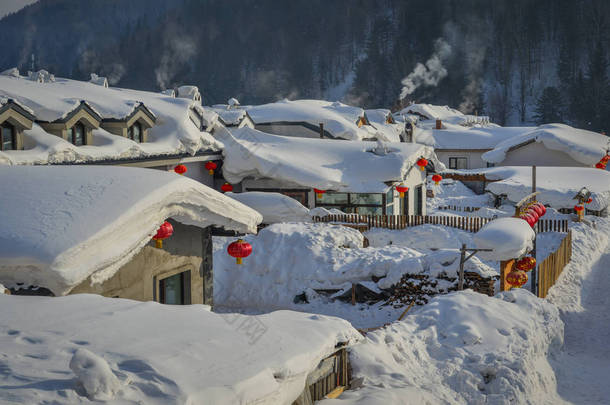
point(176, 289)
point(77, 134)
point(419, 200)
point(135, 132)
point(359, 203)
point(458, 163)
point(8, 141)
point(491, 164)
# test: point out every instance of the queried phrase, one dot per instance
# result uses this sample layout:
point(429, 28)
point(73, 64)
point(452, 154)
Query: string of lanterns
point(603, 162)
point(532, 213)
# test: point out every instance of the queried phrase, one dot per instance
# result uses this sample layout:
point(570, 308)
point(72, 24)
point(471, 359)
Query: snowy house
point(313, 119)
point(189, 92)
point(388, 128)
point(81, 122)
point(88, 229)
point(14, 119)
point(99, 80)
point(550, 145)
point(233, 114)
point(356, 176)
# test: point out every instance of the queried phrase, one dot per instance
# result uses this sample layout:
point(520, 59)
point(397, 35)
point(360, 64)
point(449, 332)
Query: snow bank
point(161, 354)
point(461, 348)
point(62, 224)
point(339, 120)
point(321, 163)
point(173, 133)
point(93, 375)
point(274, 207)
point(510, 238)
point(583, 146)
point(557, 185)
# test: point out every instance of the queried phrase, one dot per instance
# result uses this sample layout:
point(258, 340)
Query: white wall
point(537, 154)
point(197, 171)
point(474, 157)
point(289, 130)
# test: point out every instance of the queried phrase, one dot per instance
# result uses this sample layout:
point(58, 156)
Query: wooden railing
point(469, 224)
point(550, 269)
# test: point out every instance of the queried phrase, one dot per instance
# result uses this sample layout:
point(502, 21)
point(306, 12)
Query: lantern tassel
point(239, 260)
point(422, 168)
point(402, 195)
point(159, 243)
point(211, 171)
point(319, 195)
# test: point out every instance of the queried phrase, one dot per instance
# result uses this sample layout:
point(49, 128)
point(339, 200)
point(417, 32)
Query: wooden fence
point(470, 224)
point(550, 269)
point(457, 208)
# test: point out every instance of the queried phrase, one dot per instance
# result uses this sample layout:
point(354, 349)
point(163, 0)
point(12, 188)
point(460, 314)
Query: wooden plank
point(336, 392)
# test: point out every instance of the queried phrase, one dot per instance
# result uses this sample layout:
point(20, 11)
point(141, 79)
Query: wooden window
point(176, 289)
point(458, 163)
point(135, 132)
point(8, 135)
point(77, 135)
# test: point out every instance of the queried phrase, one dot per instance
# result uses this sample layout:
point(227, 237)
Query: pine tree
point(549, 107)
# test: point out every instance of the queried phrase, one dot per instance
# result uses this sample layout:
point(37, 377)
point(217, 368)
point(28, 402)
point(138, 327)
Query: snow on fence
point(550, 269)
point(469, 224)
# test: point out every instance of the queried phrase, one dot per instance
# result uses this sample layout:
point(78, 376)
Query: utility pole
point(533, 281)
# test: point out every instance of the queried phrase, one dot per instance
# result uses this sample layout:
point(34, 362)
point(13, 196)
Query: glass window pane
point(79, 134)
point(172, 290)
point(7, 138)
point(332, 198)
point(366, 198)
point(136, 132)
point(369, 210)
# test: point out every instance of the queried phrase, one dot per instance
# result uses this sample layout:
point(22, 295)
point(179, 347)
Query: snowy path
point(583, 370)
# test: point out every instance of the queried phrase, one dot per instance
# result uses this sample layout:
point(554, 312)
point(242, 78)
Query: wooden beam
point(336, 392)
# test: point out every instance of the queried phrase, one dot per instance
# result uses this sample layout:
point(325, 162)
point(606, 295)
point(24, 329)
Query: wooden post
point(533, 284)
point(353, 294)
point(461, 273)
point(505, 268)
point(321, 130)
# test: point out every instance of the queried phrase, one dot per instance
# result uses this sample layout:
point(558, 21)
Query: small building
point(233, 114)
point(355, 177)
point(89, 229)
point(313, 119)
point(14, 119)
point(550, 145)
point(388, 128)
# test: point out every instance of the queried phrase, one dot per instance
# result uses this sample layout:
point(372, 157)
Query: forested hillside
point(519, 61)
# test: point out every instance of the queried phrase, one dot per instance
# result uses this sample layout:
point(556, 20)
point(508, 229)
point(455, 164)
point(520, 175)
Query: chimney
point(321, 130)
point(439, 124)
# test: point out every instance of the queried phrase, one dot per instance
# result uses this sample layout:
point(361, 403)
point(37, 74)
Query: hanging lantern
point(530, 219)
point(600, 165)
point(180, 169)
point(532, 211)
point(437, 179)
point(165, 231)
point(516, 278)
point(526, 264)
point(239, 249)
point(402, 189)
point(589, 201)
point(422, 163)
point(578, 208)
point(319, 192)
point(226, 188)
point(605, 159)
point(538, 209)
point(210, 167)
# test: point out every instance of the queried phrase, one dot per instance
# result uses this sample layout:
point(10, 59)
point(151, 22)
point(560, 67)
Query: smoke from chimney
point(430, 73)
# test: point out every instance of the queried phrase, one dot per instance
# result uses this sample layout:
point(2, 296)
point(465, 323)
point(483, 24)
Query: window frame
point(352, 208)
point(13, 135)
point(456, 159)
point(130, 134)
point(185, 287)
point(72, 133)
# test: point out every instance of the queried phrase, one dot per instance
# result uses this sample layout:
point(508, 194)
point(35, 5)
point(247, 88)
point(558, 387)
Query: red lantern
point(530, 219)
point(532, 211)
point(437, 178)
point(589, 201)
point(526, 264)
point(516, 278)
point(422, 163)
point(165, 231)
point(539, 209)
point(319, 192)
point(239, 249)
point(600, 165)
point(210, 167)
point(578, 208)
point(180, 169)
point(226, 188)
point(605, 159)
point(402, 189)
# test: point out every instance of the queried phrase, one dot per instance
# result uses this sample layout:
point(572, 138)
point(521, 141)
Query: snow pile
point(62, 224)
point(160, 354)
point(274, 207)
point(421, 238)
point(172, 134)
point(510, 238)
point(387, 132)
point(93, 375)
point(451, 193)
point(557, 185)
point(340, 120)
point(321, 163)
point(230, 115)
point(583, 146)
point(461, 348)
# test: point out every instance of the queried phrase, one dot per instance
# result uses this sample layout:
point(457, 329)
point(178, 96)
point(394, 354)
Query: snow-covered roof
point(99, 80)
point(321, 163)
point(172, 134)
point(62, 224)
point(444, 113)
point(189, 92)
point(274, 207)
point(340, 120)
point(390, 132)
point(583, 146)
point(467, 138)
point(557, 185)
point(195, 357)
point(229, 115)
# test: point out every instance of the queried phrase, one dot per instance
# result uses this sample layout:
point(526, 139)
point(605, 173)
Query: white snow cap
point(325, 164)
point(444, 113)
point(190, 92)
point(583, 146)
point(195, 357)
point(233, 102)
point(510, 238)
point(99, 80)
point(274, 207)
point(340, 120)
point(62, 224)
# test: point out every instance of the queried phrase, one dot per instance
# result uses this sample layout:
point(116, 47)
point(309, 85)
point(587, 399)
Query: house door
point(404, 205)
point(419, 200)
